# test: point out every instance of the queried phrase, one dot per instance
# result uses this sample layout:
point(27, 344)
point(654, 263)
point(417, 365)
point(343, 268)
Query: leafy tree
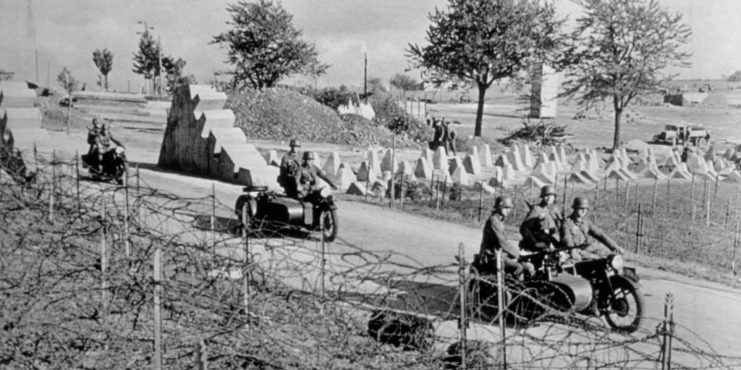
point(263, 46)
point(66, 81)
point(404, 83)
point(103, 59)
point(735, 77)
point(623, 48)
point(482, 41)
point(147, 63)
point(146, 59)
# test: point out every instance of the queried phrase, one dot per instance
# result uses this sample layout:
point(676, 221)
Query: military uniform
point(540, 228)
point(494, 239)
point(577, 233)
point(289, 166)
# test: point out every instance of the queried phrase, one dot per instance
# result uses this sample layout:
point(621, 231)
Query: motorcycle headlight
point(119, 150)
point(616, 262)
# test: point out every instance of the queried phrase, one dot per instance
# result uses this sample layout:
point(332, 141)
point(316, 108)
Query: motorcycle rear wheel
point(329, 217)
point(625, 313)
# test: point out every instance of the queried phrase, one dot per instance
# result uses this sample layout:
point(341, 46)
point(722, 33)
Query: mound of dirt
point(282, 114)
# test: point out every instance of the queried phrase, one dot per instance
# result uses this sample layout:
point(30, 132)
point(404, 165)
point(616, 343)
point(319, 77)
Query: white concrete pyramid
point(428, 154)
point(553, 157)
point(502, 161)
point(472, 165)
point(423, 169)
point(508, 173)
point(386, 163)
point(534, 181)
point(373, 161)
point(734, 176)
point(591, 177)
point(440, 160)
point(386, 175)
point(696, 164)
point(356, 188)
point(273, 159)
point(527, 156)
point(653, 173)
point(618, 174)
point(498, 178)
point(562, 155)
point(332, 164)
point(515, 160)
point(544, 177)
point(670, 162)
point(455, 163)
point(344, 177)
point(488, 188)
point(406, 169)
point(366, 173)
point(577, 178)
point(486, 159)
point(729, 153)
point(681, 172)
point(460, 176)
point(475, 153)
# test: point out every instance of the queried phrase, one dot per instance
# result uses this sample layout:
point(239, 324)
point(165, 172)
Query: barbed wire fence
point(697, 220)
point(95, 275)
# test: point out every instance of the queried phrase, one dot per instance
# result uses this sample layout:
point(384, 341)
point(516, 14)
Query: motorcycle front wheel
point(625, 312)
point(329, 217)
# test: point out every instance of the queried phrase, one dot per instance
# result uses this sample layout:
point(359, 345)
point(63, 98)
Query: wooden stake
point(127, 246)
point(77, 178)
point(735, 245)
point(324, 252)
point(103, 256)
point(462, 289)
point(692, 197)
point(500, 304)
point(638, 228)
point(213, 216)
point(393, 182)
point(157, 277)
point(246, 259)
point(481, 201)
point(627, 196)
point(653, 200)
point(668, 195)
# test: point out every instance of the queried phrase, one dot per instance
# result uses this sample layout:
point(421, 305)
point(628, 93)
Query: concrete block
point(23, 118)
point(387, 164)
point(577, 178)
point(527, 156)
point(428, 154)
point(734, 176)
point(373, 162)
point(502, 161)
point(508, 173)
point(273, 159)
point(589, 176)
point(454, 163)
point(472, 164)
point(440, 160)
point(356, 188)
point(617, 174)
point(534, 181)
point(332, 164)
point(515, 160)
point(544, 177)
point(486, 159)
point(460, 176)
point(423, 169)
point(344, 177)
point(366, 172)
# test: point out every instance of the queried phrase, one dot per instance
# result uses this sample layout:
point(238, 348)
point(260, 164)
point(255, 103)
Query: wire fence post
point(627, 196)
point(392, 192)
point(638, 228)
point(481, 201)
point(53, 185)
point(157, 277)
point(565, 186)
point(653, 200)
point(201, 355)
point(103, 255)
point(401, 190)
point(246, 259)
point(668, 194)
point(692, 197)
point(77, 179)
point(463, 323)
point(213, 216)
point(127, 245)
point(324, 251)
point(596, 194)
point(500, 305)
point(667, 331)
point(735, 246)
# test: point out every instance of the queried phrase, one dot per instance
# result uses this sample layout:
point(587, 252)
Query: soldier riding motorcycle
point(105, 160)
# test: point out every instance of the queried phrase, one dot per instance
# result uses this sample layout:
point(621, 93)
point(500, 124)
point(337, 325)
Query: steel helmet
point(547, 190)
point(294, 143)
point(580, 202)
point(503, 201)
point(308, 156)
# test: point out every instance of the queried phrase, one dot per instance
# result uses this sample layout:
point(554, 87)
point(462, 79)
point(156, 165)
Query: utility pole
point(159, 63)
point(365, 76)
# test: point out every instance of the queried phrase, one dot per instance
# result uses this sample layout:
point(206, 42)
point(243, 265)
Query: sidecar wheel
point(329, 217)
point(625, 313)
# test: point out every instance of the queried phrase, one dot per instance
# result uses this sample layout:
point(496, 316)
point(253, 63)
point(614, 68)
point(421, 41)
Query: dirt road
point(709, 310)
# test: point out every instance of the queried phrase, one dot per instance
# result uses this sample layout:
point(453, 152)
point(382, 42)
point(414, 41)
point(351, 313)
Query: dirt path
point(710, 310)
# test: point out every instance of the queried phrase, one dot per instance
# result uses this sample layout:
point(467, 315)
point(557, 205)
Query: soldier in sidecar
point(313, 209)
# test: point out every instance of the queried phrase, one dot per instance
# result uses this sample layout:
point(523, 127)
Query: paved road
point(709, 310)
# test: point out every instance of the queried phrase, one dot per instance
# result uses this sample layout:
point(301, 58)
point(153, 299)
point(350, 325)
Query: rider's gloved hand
point(619, 250)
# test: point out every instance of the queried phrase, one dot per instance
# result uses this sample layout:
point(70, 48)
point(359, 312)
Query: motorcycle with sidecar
point(600, 287)
point(113, 166)
point(259, 207)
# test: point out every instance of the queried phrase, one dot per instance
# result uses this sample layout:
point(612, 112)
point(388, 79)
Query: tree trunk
point(480, 110)
point(618, 116)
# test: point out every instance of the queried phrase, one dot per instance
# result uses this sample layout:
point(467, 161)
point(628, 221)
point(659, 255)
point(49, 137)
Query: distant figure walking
point(438, 134)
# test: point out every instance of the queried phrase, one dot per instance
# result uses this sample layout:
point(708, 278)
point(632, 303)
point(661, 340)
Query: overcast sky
point(66, 32)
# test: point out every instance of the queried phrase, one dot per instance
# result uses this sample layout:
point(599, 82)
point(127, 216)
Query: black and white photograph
point(370, 184)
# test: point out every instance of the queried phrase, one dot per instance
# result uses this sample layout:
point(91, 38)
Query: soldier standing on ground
point(577, 230)
point(493, 239)
point(289, 165)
